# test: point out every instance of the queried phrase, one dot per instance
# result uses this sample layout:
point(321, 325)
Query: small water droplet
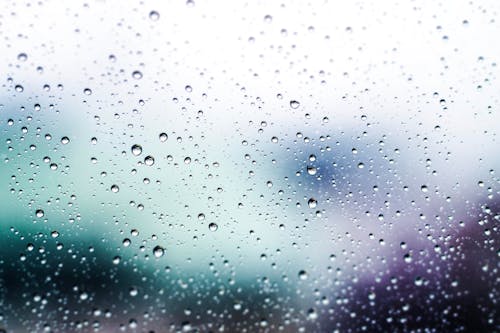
point(22, 57)
point(312, 314)
point(294, 104)
point(64, 140)
point(312, 203)
point(213, 226)
point(87, 91)
point(154, 15)
point(136, 150)
point(302, 275)
point(126, 242)
point(149, 160)
point(137, 75)
point(158, 251)
point(39, 213)
point(115, 188)
point(163, 137)
point(133, 291)
point(311, 170)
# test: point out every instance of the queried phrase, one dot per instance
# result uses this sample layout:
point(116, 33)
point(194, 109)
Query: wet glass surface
point(261, 166)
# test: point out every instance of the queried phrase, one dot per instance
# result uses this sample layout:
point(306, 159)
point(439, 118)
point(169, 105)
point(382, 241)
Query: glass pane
point(260, 166)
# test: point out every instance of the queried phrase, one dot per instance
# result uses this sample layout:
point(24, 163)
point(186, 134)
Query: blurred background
point(263, 166)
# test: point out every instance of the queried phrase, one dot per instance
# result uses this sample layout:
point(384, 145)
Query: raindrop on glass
point(149, 160)
point(154, 15)
point(163, 137)
point(158, 251)
point(294, 104)
point(136, 150)
point(137, 75)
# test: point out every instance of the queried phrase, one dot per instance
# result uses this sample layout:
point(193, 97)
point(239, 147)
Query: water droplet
point(39, 213)
point(87, 91)
point(294, 104)
point(19, 88)
point(133, 291)
point(302, 275)
point(154, 15)
point(187, 160)
point(136, 150)
point(163, 137)
point(188, 88)
point(201, 216)
point(213, 226)
point(64, 140)
point(137, 75)
point(312, 314)
point(312, 203)
point(158, 251)
point(311, 170)
point(115, 188)
point(268, 18)
point(22, 57)
point(149, 160)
